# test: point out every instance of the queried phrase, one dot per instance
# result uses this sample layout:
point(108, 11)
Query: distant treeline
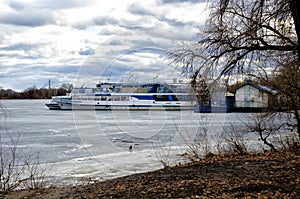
point(32, 93)
point(35, 93)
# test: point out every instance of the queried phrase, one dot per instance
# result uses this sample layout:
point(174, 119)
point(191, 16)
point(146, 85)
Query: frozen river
point(75, 144)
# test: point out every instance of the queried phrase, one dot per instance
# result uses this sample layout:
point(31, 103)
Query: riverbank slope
point(274, 175)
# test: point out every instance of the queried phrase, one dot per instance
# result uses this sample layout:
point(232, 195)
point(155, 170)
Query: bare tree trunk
point(295, 9)
point(297, 117)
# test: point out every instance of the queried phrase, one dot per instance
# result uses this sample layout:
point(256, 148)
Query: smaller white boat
point(53, 104)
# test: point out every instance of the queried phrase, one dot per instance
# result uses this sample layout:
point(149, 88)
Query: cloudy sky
point(84, 41)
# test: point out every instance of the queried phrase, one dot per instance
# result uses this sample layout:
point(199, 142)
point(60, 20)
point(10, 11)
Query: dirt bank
point(269, 175)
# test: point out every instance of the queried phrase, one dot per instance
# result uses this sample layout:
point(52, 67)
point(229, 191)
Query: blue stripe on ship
point(102, 94)
point(143, 97)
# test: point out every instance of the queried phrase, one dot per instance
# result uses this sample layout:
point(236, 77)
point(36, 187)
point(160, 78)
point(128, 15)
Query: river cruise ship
point(116, 96)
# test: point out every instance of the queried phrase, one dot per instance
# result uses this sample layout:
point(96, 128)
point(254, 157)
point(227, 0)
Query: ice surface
point(95, 144)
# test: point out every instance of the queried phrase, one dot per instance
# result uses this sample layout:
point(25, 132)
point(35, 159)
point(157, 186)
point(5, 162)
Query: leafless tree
point(265, 127)
point(286, 80)
point(255, 37)
point(274, 134)
point(235, 140)
point(17, 169)
point(241, 34)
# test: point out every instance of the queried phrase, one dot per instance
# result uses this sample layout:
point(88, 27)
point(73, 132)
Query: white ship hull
point(86, 105)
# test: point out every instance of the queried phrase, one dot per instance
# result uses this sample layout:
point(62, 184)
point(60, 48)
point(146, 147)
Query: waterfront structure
point(253, 97)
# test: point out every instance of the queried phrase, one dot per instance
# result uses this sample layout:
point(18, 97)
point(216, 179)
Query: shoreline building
point(251, 97)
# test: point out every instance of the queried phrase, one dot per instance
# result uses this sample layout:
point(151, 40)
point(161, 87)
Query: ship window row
point(126, 98)
point(112, 98)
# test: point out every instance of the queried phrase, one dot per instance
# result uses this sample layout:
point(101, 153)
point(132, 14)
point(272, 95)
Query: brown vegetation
point(268, 175)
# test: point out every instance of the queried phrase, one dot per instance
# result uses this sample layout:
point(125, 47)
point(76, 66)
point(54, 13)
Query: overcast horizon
point(83, 41)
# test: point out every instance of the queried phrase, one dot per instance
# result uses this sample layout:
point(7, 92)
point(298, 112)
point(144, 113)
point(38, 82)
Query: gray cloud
point(127, 52)
point(130, 46)
point(154, 40)
point(138, 9)
point(16, 5)
point(180, 1)
point(105, 20)
point(44, 4)
point(86, 51)
point(29, 17)
point(37, 13)
point(168, 35)
point(144, 15)
point(174, 22)
point(59, 4)
point(63, 69)
point(19, 57)
point(107, 31)
point(20, 46)
point(98, 21)
point(25, 75)
point(23, 50)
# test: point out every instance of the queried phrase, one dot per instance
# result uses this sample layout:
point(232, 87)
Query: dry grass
point(268, 175)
